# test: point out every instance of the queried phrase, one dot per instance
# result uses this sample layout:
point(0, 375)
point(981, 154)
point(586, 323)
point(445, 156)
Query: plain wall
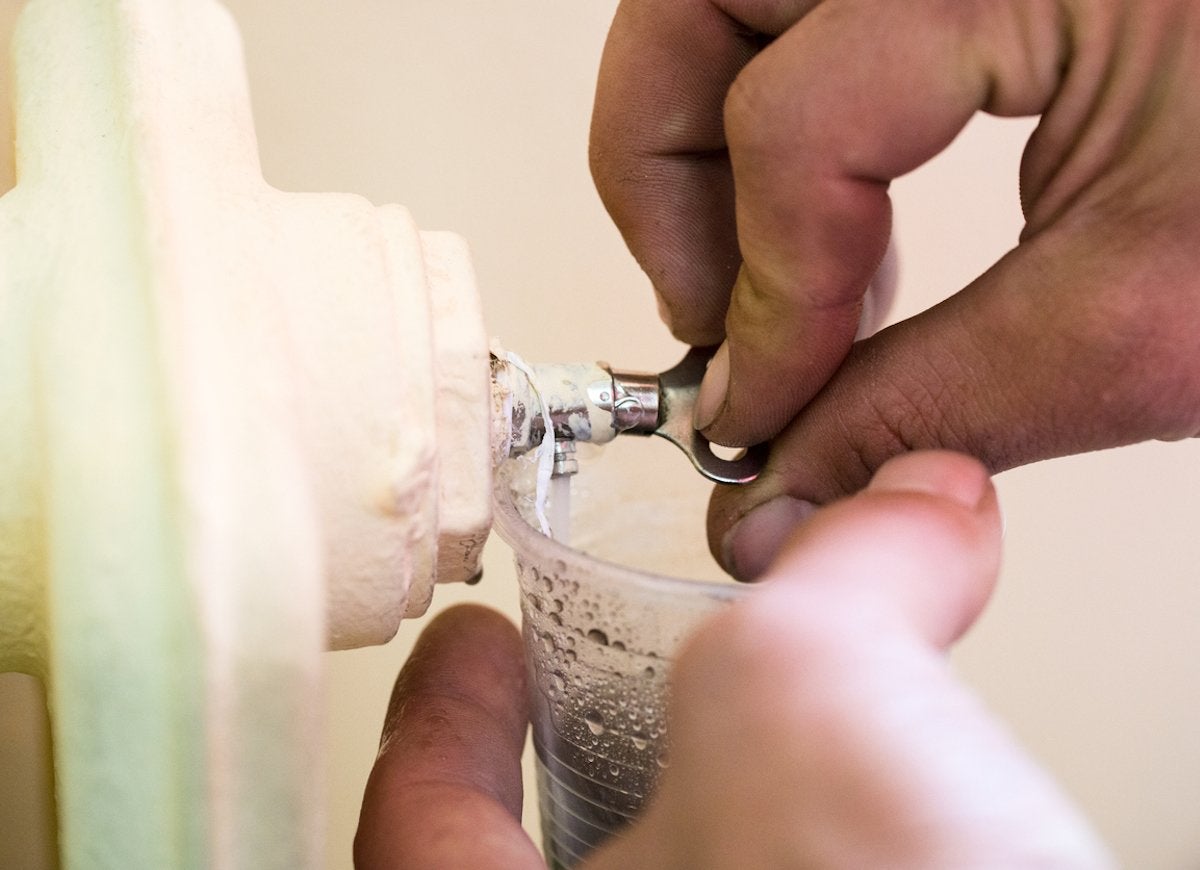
point(474, 115)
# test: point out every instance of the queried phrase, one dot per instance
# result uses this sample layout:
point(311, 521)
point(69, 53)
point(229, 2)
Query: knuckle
point(908, 415)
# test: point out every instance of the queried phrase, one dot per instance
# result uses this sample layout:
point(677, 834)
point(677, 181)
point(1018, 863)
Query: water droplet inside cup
point(594, 721)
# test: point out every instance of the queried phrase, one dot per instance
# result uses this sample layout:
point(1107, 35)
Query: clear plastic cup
point(602, 622)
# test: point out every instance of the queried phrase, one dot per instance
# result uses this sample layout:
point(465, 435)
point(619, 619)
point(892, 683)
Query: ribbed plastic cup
point(601, 627)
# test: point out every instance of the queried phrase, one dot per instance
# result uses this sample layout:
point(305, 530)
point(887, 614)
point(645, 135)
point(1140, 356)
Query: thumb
point(817, 723)
point(1055, 350)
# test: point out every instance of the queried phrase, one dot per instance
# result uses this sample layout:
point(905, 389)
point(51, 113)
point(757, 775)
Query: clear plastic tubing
point(560, 508)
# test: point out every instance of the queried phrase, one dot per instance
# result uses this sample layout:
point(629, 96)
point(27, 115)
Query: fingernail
point(712, 389)
point(955, 478)
point(664, 312)
point(866, 317)
point(753, 543)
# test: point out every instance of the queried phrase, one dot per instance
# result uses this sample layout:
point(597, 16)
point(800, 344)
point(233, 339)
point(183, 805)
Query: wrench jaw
point(595, 403)
point(679, 388)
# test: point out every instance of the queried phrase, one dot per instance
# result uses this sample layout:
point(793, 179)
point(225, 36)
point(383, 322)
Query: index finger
point(658, 150)
point(446, 788)
point(855, 95)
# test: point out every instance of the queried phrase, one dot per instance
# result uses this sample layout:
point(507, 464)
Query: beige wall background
point(474, 114)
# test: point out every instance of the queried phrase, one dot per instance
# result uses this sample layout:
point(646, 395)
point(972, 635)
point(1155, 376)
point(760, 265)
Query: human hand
point(745, 147)
point(815, 724)
point(445, 791)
